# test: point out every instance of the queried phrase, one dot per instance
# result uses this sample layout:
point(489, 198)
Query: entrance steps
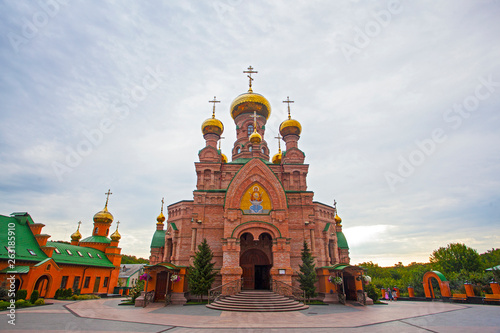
point(257, 301)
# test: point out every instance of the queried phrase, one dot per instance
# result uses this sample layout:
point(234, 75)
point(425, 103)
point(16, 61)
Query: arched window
point(263, 150)
point(250, 148)
point(96, 230)
point(238, 150)
point(250, 129)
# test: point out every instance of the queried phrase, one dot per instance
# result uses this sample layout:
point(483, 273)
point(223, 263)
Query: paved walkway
point(105, 315)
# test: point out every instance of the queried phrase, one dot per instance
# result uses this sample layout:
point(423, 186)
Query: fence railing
point(230, 288)
point(287, 290)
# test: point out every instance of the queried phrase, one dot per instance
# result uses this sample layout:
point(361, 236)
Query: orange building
point(90, 265)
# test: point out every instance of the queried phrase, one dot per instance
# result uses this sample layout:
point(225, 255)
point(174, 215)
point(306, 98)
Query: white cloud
point(358, 117)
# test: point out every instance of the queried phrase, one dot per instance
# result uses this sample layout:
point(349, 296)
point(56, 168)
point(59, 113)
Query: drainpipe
point(83, 279)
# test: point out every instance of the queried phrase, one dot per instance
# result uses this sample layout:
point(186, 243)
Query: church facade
point(29, 261)
point(255, 210)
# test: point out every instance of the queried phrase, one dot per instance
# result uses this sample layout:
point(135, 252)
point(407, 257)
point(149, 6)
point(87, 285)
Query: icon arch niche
point(255, 175)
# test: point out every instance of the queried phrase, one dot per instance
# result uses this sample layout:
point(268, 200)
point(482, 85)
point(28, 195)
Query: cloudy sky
point(399, 103)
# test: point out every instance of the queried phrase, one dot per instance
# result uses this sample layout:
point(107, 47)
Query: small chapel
point(254, 209)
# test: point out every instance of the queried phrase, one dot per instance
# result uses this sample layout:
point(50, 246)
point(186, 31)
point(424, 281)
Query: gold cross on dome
point(279, 141)
point(79, 223)
point(214, 101)
point(250, 71)
point(220, 140)
point(255, 121)
point(335, 204)
point(117, 223)
point(162, 205)
point(288, 101)
point(107, 197)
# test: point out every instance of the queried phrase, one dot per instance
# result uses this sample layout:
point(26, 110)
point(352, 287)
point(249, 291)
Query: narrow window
point(64, 281)
point(87, 282)
point(250, 129)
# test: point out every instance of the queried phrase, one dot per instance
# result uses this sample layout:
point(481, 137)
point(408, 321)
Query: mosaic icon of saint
point(256, 200)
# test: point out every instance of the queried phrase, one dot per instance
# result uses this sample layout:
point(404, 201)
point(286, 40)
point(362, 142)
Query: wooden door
point(96, 284)
point(248, 276)
point(161, 286)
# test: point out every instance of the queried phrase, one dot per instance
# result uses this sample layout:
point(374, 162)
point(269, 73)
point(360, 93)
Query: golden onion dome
point(76, 236)
point(160, 218)
point(277, 158)
point(255, 138)
point(290, 126)
point(212, 125)
point(337, 218)
point(104, 216)
point(250, 102)
point(224, 158)
point(115, 236)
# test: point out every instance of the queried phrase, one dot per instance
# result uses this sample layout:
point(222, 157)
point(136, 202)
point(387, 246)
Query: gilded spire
point(337, 218)
point(255, 137)
point(161, 217)
point(224, 157)
point(212, 125)
point(115, 236)
point(76, 236)
point(107, 198)
point(104, 216)
point(288, 101)
point(214, 101)
point(250, 71)
point(279, 142)
point(277, 157)
point(290, 126)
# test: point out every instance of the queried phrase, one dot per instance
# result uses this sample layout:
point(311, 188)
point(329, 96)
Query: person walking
point(394, 294)
point(389, 292)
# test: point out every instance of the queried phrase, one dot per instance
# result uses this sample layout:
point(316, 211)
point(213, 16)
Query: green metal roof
point(16, 270)
point(158, 239)
point(173, 226)
point(24, 238)
point(88, 257)
point(327, 226)
point(27, 248)
point(342, 241)
point(96, 239)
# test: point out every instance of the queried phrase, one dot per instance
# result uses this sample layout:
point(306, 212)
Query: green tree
point(490, 258)
point(201, 274)
point(456, 257)
point(307, 275)
point(133, 260)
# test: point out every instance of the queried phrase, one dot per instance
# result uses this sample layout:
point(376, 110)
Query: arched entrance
point(444, 285)
point(42, 285)
point(256, 260)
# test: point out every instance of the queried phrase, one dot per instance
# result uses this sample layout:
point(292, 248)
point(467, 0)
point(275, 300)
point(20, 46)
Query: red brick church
point(255, 211)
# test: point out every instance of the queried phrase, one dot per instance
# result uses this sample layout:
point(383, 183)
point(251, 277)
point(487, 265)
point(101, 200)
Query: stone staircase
point(257, 301)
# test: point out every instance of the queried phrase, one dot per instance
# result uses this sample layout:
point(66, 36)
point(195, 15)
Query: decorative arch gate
point(444, 285)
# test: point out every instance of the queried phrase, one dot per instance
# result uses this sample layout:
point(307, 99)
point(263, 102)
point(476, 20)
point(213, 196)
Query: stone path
point(106, 316)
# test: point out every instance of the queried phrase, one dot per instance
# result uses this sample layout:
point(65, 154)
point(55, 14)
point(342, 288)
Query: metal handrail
point(148, 297)
point(284, 289)
point(231, 288)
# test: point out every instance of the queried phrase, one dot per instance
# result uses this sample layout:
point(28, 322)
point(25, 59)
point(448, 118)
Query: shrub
point(20, 303)
point(4, 294)
point(4, 305)
point(40, 301)
point(34, 296)
point(68, 293)
point(21, 294)
point(58, 293)
point(372, 291)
